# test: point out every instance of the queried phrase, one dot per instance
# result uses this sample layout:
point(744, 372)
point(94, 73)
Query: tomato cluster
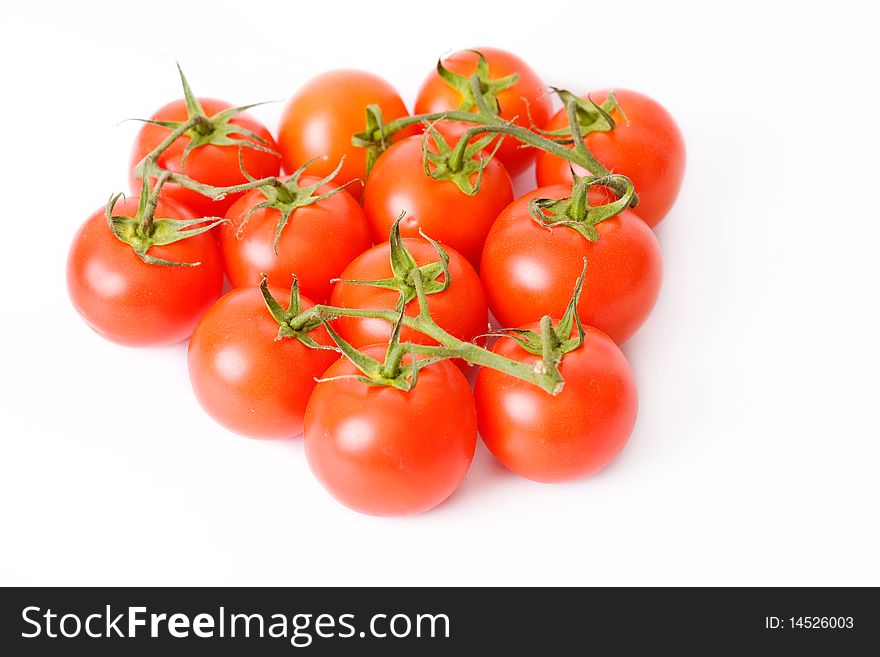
point(362, 280)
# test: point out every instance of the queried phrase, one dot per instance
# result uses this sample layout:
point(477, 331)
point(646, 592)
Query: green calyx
point(144, 231)
point(389, 373)
point(287, 196)
point(404, 266)
point(462, 165)
point(478, 91)
point(553, 342)
point(285, 317)
point(372, 137)
point(217, 129)
point(585, 116)
point(575, 212)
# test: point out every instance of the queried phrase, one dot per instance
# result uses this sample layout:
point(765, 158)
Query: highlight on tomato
point(320, 119)
point(243, 376)
point(151, 295)
point(509, 88)
point(385, 451)
point(645, 145)
point(565, 437)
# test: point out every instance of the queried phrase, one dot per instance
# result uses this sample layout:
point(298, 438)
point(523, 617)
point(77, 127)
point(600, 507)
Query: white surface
point(755, 456)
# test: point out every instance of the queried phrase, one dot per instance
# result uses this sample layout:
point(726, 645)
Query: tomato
point(322, 117)
point(243, 377)
point(526, 102)
point(444, 212)
point(570, 436)
point(317, 243)
point(209, 164)
point(134, 303)
point(647, 147)
point(386, 452)
point(528, 271)
point(460, 309)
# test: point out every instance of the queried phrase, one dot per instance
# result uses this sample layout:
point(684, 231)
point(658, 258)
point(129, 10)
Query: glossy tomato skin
point(321, 118)
point(528, 98)
point(460, 309)
point(213, 165)
point(567, 437)
point(244, 378)
point(131, 302)
point(443, 212)
point(649, 149)
point(386, 452)
point(529, 271)
point(317, 243)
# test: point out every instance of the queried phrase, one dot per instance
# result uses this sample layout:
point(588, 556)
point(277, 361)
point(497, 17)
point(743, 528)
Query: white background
point(755, 458)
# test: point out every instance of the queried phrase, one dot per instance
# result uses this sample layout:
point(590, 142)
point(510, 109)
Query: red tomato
point(527, 101)
point(213, 165)
point(322, 117)
point(570, 436)
point(386, 452)
point(317, 243)
point(445, 213)
point(649, 150)
point(134, 303)
point(528, 271)
point(460, 309)
point(243, 377)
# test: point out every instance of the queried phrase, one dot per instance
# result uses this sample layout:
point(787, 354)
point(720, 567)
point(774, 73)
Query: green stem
point(404, 122)
point(213, 192)
point(456, 160)
point(391, 367)
point(542, 374)
point(477, 93)
point(578, 154)
point(549, 339)
point(153, 156)
point(149, 167)
point(152, 202)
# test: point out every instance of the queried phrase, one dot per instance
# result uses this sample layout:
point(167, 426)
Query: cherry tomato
point(322, 117)
point(134, 303)
point(528, 271)
point(647, 147)
point(386, 452)
point(526, 101)
point(317, 243)
point(443, 212)
point(570, 436)
point(243, 377)
point(209, 164)
point(460, 309)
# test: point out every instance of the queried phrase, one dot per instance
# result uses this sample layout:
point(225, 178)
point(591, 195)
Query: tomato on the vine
point(246, 379)
point(316, 244)
point(525, 268)
point(646, 146)
point(444, 212)
point(525, 102)
point(564, 437)
point(460, 309)
point(210, 164)
point(132, 302)
point(320, 120)
point(386, 452)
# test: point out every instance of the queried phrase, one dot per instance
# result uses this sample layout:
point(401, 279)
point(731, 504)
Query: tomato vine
point(456, 163)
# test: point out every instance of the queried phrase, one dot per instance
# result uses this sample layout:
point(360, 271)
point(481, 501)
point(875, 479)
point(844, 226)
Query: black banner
point(420, 621)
